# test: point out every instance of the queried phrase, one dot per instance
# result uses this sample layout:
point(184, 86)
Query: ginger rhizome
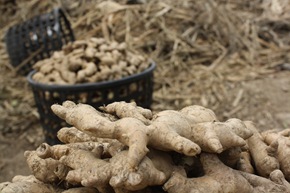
point(25, 184)
point(181, 131)
point(92, 60)
point(220, 178)
point(282, 141)
point(124, 148)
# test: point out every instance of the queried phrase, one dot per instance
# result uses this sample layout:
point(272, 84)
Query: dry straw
point(201, 47)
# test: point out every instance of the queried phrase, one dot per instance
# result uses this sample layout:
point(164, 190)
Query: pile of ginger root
point(89, 61)
point(124, 148)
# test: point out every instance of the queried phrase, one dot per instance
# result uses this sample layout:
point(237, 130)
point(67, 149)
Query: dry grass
point(201, 47)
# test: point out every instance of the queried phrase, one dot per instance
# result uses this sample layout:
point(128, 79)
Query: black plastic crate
point(36, 39)
point(138, 88)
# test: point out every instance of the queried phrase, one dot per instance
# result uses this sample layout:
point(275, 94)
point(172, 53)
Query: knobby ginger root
point(220, 136)
point(262, 154)
point(124, 148)
point(216, 179)
point(119, 175)
point(220, 178)
point(123, 177)
point(88, 169)
point(283, 151)
point(169, 130)
point(256, 152)
point(39, 167)
point(123, 109)
point(25, 184)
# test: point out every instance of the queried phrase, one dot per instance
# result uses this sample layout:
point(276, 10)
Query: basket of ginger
point(92, 71)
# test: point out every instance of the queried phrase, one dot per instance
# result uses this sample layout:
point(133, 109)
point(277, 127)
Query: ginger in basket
point(92, 60)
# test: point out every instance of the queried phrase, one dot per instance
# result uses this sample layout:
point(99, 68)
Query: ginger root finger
point(38, 167)
point(73, 135)
point(57, 151)
point(283, 150)
point(262, 155)
point(85, 118)
point(123, 109)
point(278, 177)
